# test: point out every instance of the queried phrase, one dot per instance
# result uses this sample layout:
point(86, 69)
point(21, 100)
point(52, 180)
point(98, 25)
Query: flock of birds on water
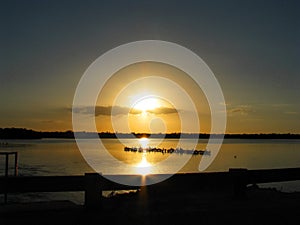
point(167, 151)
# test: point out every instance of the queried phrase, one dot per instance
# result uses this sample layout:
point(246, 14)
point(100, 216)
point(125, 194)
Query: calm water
point(62, 157)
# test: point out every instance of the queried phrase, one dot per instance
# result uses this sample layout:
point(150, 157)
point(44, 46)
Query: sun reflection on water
point(144, 167)
point(144, 142)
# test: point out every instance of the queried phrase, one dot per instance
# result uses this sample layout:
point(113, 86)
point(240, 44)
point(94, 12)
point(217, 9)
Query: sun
point(147, 104)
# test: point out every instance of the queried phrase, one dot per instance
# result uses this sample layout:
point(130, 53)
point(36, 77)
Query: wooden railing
point(93, 184)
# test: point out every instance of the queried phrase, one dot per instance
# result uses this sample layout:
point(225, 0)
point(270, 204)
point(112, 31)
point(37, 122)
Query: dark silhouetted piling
point(93, 190)
point(239, 182)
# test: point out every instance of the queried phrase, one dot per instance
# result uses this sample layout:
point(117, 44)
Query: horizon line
point(147, 133)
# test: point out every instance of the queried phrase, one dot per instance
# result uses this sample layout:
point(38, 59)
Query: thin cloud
point(119, 110)
point(103, 110)
point(242, 110)
point(48, 121)
point(280, 105)
point(291, 113)
point(135, 111)
point(162, 110)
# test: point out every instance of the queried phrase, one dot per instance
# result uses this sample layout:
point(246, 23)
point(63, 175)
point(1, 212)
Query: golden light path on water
point(144, 167)
point(144, 142)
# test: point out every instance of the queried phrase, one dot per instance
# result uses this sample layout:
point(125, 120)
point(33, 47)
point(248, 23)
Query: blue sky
point(253, 48)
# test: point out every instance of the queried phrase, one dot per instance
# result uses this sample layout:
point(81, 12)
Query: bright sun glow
point(143, 167)
point(147, 104)
point(144, 142)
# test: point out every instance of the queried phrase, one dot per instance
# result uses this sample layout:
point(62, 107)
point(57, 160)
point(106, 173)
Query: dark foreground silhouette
point(258, 206)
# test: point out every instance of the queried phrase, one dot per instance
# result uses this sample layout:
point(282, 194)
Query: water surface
point(62, 157)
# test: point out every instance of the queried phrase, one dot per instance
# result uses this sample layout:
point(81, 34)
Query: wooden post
point(6, 176)
point(7, 154)
point(6, 165)
point(16, 163)
point(239, 179)
point(93, 190)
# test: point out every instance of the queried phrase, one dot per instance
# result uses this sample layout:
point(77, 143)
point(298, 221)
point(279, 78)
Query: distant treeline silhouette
point(23, 133)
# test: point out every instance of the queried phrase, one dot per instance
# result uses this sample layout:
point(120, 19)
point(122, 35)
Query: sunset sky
point(252, 47)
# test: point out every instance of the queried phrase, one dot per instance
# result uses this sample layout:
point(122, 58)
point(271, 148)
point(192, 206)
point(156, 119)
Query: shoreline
point(23, 133)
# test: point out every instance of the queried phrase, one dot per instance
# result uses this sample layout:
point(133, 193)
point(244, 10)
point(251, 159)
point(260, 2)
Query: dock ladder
point(7, 154)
